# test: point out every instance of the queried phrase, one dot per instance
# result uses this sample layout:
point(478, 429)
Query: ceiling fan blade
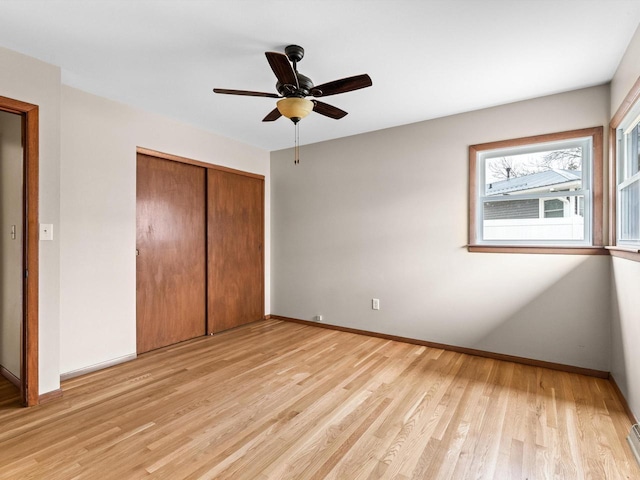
point(273, 115)
point(246, 92)
point(282, 68)
point(341, 86)
point(328, 110)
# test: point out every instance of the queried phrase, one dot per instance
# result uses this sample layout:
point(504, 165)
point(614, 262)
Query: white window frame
point(591, 192)
point(625, 178)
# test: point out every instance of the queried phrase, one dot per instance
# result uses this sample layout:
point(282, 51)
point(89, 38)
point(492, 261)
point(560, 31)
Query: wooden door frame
point(29, 331)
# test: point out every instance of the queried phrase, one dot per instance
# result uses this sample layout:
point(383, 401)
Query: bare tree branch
point(504, 168)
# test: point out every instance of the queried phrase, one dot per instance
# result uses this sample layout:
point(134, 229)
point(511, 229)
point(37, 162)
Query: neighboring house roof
point(535, 180)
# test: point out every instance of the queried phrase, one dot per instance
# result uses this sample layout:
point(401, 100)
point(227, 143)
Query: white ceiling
point(427, 58)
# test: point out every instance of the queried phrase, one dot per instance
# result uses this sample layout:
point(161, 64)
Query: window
point(554, 208)
point(537, 191)
point(628, 179)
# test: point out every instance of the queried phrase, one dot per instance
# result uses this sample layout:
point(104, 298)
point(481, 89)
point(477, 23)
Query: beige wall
point(29, 80)
point(10, 248)
point(627, 73)
point(87, 274)
point(625, 282)
point(384, 215)
point(98, 217)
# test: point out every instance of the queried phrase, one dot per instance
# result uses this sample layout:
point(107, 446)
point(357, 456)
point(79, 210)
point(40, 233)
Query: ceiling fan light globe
point(295, 107)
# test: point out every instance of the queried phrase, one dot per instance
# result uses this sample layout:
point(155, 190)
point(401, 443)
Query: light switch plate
point(46, 231)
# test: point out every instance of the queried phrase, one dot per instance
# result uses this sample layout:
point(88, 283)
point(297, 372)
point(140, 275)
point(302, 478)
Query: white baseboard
point(97, 366)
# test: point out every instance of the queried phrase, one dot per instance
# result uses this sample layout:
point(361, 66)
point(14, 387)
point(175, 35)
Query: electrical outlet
point(46, 231)
point(375, 303)
point(318, 318)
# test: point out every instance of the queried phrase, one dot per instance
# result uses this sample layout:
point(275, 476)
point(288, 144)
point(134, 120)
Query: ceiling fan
point(293, 88)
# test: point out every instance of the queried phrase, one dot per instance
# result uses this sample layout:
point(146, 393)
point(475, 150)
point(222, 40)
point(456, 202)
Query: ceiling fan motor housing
point(295, 53)
point(304, 87)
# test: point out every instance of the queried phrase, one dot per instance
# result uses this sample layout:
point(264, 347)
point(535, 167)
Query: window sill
point(551, 250)
point(628, 253)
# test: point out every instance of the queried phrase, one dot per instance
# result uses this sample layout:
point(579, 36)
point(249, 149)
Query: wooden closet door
point(171, 261)
point(235, 241)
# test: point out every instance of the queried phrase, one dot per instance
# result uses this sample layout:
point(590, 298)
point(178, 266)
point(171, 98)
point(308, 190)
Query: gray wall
point(384, 215)
point(10, 249)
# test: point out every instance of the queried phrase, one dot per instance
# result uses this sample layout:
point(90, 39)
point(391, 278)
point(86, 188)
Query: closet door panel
point(235, 250)
point(171, 244)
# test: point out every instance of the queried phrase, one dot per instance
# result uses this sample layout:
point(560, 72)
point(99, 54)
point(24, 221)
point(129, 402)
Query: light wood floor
point(9, 395)
point(281, 400)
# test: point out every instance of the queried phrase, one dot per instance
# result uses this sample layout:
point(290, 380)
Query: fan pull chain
point(296, 149)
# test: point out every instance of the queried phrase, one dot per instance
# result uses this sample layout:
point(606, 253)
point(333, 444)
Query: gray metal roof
point(535, 180)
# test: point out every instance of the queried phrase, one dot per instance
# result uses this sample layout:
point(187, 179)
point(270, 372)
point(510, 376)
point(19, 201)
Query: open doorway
point(19, 247)
point(11, 246)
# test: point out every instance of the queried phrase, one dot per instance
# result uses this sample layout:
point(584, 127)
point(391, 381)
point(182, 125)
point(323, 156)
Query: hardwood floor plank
point(9, 394)
point(279, 400)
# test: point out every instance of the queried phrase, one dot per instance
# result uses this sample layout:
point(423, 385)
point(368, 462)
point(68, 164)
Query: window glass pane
point(554, 208)
point(512, 209)
point(579, 206)
point(625, 162)
point(560, 218)
point(635, 156)
point(629, 219)
point(527, 173)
